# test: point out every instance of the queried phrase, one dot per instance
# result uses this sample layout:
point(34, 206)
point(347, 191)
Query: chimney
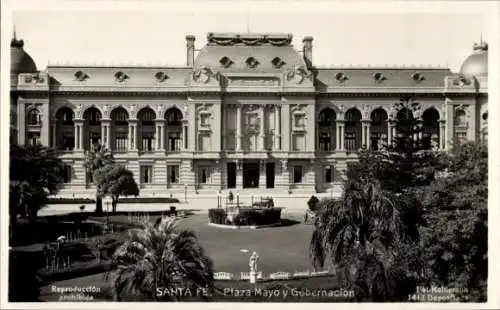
point(190, 50)
point(307, 50)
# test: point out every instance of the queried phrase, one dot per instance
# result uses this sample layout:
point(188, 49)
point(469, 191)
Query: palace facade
point(246, 111)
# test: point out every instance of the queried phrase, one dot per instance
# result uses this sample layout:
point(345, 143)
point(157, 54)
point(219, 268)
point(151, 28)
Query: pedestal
point(253, 277)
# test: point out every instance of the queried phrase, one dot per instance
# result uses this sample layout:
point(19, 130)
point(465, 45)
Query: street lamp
point(107, 200)
point(185, 192)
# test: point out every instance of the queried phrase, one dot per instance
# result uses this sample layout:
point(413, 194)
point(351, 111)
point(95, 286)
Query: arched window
point(92, 127)
point(353, 130)
point(327, 130)
point(378, 129)
point(119, 130)
point(65, 129)
point(430, 128)
point(174, 129)
point(147, 129)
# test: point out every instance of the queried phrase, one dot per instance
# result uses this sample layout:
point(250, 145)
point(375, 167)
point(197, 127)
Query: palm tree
point(158, 258)
point(366, 234)
point(35, 173)
point(97, 158)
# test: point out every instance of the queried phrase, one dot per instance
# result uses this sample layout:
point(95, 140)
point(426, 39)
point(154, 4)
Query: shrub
point(70, 201)
point(217, 216)
point(149, 200)
point(313, 203)
point(265, 216)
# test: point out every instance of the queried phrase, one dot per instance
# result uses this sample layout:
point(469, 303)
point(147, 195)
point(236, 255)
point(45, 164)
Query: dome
point(20, 61)
point(477, 63)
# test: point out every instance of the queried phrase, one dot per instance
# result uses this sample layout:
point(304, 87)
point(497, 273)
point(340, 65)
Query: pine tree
point(408, 161)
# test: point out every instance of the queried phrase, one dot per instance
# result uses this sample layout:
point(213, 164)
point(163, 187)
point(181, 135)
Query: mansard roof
point(341, 79)
point(117, 77)
point(238, 52)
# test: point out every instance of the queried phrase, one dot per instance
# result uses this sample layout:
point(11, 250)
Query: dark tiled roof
point(330, 79)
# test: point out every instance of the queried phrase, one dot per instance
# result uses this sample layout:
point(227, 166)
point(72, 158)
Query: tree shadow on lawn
point(288, 222)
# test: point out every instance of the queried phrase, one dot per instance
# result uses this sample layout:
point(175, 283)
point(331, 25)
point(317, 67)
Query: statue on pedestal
point(253, 267)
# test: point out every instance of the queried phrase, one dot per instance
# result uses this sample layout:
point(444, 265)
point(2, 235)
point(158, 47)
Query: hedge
point(246, 216)
point(121, 200)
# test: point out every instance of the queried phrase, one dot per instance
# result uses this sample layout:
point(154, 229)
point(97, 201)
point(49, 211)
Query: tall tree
point(35, 173)
point(159, 258)
point(98, 157)
point(407, 161)
point(366, 234)
point(456, 237)
point(115, 180)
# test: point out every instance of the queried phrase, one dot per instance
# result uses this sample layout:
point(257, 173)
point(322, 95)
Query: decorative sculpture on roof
point(202, 74)
point(298, 74)
point(105, 110)
point(226, 39)
point(78, 110)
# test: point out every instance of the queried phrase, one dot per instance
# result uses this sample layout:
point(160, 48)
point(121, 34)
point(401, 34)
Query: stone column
point(185, 137)
point(341, 128)
point(54, 136)
point(239, 174)
point(368, 134)
point(338, 141)
point(132, 135)
point(159, 135)
point(363, 134)
point(262, 128)
point(79, 135)
point(106, 133)
point(238, 128)
point(277, 127)
point(262, 174)
point(389, 132)
point(442, 134)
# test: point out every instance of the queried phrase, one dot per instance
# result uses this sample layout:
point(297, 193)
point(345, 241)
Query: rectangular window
point(328, 174)
point(68, 141)
point(146, 174)
point(67, 173)
point(121, 141)
point(204, 175)
point(297, 174)
point(173, 174)
point(174, 141)
point(325, 141)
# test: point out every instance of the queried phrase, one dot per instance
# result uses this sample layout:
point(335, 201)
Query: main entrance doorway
point(251, 175)
point(231, 175)
point(270, 175)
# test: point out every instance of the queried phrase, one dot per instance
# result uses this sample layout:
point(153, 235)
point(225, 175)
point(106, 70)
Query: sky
point(341, 38)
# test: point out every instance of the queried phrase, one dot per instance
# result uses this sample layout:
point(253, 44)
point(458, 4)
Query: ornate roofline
point(249, 39)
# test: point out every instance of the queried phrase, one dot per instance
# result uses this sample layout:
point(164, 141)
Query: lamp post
point(107, 200)
point(185, 192)
point(238, 199)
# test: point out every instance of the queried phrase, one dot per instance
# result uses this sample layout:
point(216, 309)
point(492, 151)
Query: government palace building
point(247, 111)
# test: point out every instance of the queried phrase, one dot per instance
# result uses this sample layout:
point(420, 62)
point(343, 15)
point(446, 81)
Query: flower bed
point(148, 200)
point(245, 216)
point(56, 201)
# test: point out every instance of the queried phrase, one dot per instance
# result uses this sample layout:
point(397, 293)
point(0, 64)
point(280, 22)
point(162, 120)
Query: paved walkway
point(291, 203)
